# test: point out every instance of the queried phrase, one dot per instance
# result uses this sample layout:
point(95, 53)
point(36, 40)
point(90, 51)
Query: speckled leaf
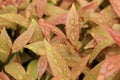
point(32, 69)
point(116, 6)
point(42, 66)
point(53, 10)
point(5, 45)
point(24, 38)
point(15, 18)
point(58, 19)
point(41, 6)
point(103, 38)
point(37, 35)
point(37, 47)
point(47, 27)
point(110, 66)
point(72, 26)
point(92, 75)
point(57, 63)
point(79, 67)
point(15, 69)
point(3, 76)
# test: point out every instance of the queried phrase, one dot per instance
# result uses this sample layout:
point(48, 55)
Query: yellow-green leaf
point(57, 63)
point(24, 38)
point(37, 47)
point(15, 69)
point(5, 45)
point(32, 69)
point(15, 18)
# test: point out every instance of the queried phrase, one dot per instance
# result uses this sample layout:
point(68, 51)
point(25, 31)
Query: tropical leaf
point(57, 63)
point(5, 45)
point(24, 38)
point(72, 26)
point(16, 70)
point(3, 76)
point(15, 18)
point(42, 66)
point(79, 67)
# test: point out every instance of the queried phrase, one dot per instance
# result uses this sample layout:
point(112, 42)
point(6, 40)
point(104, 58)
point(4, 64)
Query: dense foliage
point(59, 39)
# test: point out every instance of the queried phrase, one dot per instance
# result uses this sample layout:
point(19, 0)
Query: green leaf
point(104, 40)
point(52, 10)
point(79, 67)
point(5, 45)
point(92, 75)
point(37, 35)
point(37, 47)
point(32, 69)
point(15, 18)
point(3, 76)
point(57, 63)
point(24, 38)
point(15, 69)
point(72, 26)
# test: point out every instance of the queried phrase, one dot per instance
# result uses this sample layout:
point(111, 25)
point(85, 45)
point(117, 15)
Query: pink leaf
point(3, 76)
point(42, 66)
point(110, 65)
point(46, 28)
point(41, 6)
point(116, 6)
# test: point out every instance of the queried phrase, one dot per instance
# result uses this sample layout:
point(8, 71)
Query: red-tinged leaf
point(37, 47)
point(101, 19)
point(56, 62)
point(15, 69)
point(20, 2)
point(59, 78)
point(110, 65)
point(3, 76)
point(46, 28)
point(65, 4)
point(72, 26)
point(79, 67)
point(5, 45)
point(58, 19)
point(41, 6)
point(15, 18)
point(114, 35)
point(116, 6)
point(24, 38)
point(42, 66)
